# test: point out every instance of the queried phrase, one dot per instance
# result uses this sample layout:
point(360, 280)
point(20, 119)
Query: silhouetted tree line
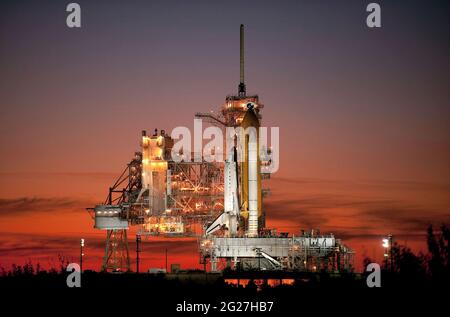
point(30, 269)
point(404, 268)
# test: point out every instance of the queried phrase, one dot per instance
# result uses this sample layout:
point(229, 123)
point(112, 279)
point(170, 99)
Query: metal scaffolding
point(193, 195)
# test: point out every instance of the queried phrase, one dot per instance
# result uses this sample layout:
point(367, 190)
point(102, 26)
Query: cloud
point(24, 205)
point(310, 212)
point(89, 175)
point(367, 183)
point(38, 248)
point(354, 217)
point(403, 217)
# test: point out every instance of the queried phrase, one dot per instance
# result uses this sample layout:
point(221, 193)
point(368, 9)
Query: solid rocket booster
point(252, 186)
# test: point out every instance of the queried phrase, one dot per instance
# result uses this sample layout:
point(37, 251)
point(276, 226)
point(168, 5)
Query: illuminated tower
point(243, 111)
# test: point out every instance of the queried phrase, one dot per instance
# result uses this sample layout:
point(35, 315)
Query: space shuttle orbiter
point(230, 216)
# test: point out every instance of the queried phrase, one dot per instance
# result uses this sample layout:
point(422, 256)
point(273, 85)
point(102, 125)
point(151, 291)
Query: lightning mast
point(241, 88)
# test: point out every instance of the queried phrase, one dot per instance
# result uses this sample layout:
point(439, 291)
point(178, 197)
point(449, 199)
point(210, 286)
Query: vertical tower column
point(117, 256)
point(241, 90)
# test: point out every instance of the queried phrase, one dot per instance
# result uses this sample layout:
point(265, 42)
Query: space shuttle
point(230, 216)
point(242, 180)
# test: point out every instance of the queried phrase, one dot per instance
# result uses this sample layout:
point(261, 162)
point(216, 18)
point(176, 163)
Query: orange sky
point(42, 217)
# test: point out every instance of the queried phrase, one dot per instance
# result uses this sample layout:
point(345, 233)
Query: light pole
point(387, 245)
point(391, 260)
point(81, 254)
point(138, 250)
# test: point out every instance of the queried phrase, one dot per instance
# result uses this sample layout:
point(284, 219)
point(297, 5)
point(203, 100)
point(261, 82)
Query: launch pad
point(309, 253)
point(219, 202)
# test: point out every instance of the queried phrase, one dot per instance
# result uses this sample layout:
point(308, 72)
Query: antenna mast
point(241, 91)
